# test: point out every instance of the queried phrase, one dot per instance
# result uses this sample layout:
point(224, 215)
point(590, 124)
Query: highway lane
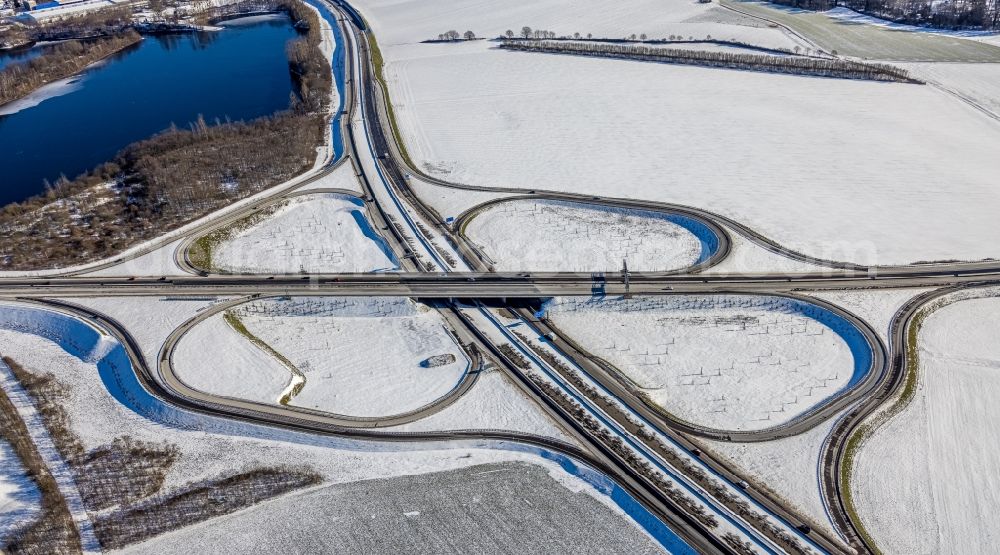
point(467, 285)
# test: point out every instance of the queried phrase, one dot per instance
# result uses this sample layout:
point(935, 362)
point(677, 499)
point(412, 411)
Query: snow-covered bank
point(43, 93)
point(729, 362)
point(926, 481)
point(551, 235)
point(328, 339)
point(318, 233)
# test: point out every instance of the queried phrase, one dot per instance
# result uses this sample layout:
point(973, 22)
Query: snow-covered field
point(547, 235)
point(855, 35)
point(874, 306)
point(20, 500)
point(978, 83)
point(398, 22)
point(795, 158)
point(747, 257)
point(79, 356)
point(497, 508)
point(926, 481)
point(215, 359)
point(726, 362)
point(321, 233)
point(493, 403)
point(331, 341)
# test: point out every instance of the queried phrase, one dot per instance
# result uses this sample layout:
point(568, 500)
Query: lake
point(238, 73)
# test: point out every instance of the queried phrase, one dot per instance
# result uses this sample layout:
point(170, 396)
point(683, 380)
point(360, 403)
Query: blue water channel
point(239, 73)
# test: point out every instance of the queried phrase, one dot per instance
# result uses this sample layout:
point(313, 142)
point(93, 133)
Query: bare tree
point(526, 32)
point(469, 35)
point(510, 34)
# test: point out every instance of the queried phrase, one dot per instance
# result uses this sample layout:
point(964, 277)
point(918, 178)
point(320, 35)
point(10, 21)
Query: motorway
point(386, 193)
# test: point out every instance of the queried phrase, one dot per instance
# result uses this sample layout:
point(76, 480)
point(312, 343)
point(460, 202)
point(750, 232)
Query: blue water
point(238, 73)
point(338, 68)
point(708, 239)
point(370, 233)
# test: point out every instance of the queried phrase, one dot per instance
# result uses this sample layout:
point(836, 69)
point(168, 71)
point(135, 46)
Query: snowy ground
point(874, 306)
point(329, 340)
point(20, 500)
point(210, 446)
point(926, 481)
point(213, 358)
point(497, 508)
point(340, 178)
point(672, 134)
point(978, 83)
point(321, 233)
point(725, 362)
point(746, 257)
point(409, 21)
point(493, 403)
point(545, 235)
point(448, 202)
point(158, 262)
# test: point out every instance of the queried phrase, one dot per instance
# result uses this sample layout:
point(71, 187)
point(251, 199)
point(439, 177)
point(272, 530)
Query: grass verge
point(379, 63)
point(200, 252)
point(298, 378)
point(857, 439)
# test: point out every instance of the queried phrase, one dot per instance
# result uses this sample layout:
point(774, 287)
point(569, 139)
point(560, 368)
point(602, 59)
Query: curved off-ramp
point(469, 376)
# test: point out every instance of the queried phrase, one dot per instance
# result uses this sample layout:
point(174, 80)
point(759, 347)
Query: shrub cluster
point(817, 67)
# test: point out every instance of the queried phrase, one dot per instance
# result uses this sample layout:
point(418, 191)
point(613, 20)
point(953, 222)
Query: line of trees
point(453, 36)
point(64, 60)
point(948, 14)
point(53, 529)
point(752, 62)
